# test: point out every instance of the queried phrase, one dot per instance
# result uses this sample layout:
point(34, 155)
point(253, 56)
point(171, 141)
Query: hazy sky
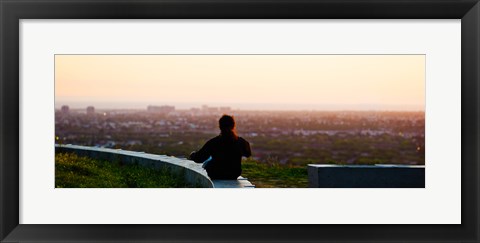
point(352, 82)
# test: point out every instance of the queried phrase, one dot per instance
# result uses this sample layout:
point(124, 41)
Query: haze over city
point(249, 82)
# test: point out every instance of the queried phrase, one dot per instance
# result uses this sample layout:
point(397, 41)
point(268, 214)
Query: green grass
point(274, 175)
point(72, 171)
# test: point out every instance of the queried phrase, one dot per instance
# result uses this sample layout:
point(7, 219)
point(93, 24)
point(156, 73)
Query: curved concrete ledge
point(193, 172)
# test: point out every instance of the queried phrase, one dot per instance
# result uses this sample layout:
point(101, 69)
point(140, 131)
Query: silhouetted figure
point(226, 151)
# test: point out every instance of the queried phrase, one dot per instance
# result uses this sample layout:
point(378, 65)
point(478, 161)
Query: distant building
point(225, 109)
point(210, 110)
point(213, 109)
point(165, 109)
point(65, 109)
point(90, 110)
point(195, 109)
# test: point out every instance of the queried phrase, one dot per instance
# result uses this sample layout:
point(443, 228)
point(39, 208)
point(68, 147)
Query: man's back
point(226, 153)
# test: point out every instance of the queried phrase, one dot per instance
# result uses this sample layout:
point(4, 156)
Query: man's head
point(226, 123)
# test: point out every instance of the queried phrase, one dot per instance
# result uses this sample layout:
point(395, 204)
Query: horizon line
point(240, 106)
point(234, 110)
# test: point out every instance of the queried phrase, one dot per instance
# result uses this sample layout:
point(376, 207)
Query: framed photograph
point(308, 120)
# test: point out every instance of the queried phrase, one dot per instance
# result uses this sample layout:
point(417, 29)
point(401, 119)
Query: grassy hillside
point(271, 175)
point(72, 171)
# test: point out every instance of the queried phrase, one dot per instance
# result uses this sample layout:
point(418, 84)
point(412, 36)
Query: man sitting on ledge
point(226, 151)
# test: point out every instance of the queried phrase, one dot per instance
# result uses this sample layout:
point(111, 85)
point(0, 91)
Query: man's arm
point(247, 151)
point(201, 155)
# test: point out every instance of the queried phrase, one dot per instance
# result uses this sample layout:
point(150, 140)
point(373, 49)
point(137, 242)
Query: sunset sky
point(321, 82)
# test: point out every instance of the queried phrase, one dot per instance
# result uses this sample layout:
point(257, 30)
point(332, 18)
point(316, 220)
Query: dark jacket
point(226, 155)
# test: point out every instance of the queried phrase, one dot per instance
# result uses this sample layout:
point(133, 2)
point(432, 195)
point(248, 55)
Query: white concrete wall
point(193, 172)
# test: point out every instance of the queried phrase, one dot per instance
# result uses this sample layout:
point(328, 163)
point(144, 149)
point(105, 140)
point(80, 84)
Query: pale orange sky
point(352, 82)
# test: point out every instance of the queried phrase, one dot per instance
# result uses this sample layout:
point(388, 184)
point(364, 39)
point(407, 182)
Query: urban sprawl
point(284, 137)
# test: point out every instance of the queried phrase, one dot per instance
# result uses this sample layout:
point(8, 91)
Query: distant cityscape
point(162, 109)
point(285, 137)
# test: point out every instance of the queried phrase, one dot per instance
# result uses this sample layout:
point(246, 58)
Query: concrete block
point(366, 176)
point(239, 183)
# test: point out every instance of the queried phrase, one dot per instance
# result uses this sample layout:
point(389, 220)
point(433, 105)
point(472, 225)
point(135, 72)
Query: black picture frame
point(11, 11)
